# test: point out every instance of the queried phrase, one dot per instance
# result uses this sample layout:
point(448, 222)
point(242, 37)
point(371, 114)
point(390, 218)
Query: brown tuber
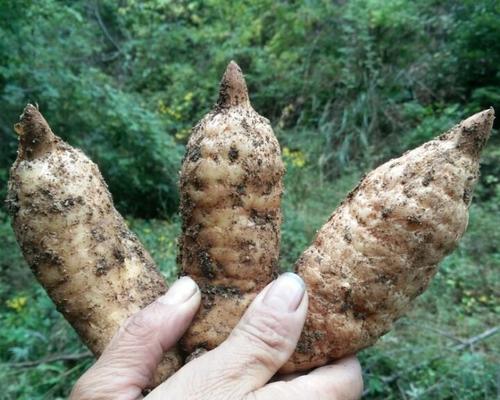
point(377, 252)
point(231, 189)
point(381, 247)
point(78, 246)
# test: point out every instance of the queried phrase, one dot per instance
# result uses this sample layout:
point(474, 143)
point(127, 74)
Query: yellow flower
point(182, 134)
point(295, 157)
point(164, 109)
point(17, 303)
point(483, 299)
point(299, 159)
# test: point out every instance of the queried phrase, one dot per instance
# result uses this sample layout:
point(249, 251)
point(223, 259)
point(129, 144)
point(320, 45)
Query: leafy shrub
point(160, 238)
point(31, 330)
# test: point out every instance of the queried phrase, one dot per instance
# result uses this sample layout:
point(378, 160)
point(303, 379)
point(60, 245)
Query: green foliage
point(32, 329)
point(427, 121)
point(475, 50)
point(14, 274)
point(346, 85)
point(160, 238)
point(125, 81)
point(306, 206)
point(57, 60)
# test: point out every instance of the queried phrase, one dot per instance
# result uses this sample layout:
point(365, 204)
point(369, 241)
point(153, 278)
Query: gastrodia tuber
point(78, 246)
point(381, 247)
point(377, 252)
point(231, 189)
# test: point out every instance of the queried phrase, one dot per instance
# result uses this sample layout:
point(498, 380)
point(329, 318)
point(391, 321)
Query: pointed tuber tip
point(233, 88)
point(483, 117)
point(35, 134)
point(474, 131)
point(25, 116)
point(29, 119)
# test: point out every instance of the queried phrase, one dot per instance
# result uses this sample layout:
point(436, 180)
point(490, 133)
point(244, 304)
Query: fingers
point(341, 380)
point(130, 359)
point(161, 324)
point(267, 334)
point(260, 344)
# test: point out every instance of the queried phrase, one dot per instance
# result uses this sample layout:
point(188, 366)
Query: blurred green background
point(346, 84)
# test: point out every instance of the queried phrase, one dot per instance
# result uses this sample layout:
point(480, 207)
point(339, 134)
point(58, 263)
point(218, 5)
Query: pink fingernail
point(286, 293)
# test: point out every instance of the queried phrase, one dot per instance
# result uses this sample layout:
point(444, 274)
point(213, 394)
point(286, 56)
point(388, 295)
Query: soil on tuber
point(78, 246)
point(382, 246)
point(231, 190)
point(377, 252)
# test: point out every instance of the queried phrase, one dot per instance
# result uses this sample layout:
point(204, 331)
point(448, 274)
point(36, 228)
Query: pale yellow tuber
point(377, 252)
point(78, 246)
point(381, 247)
point(230, 205)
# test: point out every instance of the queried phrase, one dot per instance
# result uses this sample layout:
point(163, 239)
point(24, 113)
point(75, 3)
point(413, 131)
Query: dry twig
point(464, 344)
point(51, 359)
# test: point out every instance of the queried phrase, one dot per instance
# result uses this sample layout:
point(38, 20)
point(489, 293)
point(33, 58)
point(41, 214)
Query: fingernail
point(286, 293)
point(181, 291)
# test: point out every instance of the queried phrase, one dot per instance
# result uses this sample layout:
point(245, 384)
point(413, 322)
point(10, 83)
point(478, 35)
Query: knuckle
point(266, 340)
point(353, 384)
point(265, 330)
point(357, 385)
point(322, 391)
point(318, 392)
point(345, 393)
point(138, 326)
point(282, 390)
point(313, 389)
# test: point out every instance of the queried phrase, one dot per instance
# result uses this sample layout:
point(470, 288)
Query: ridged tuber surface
point(377, 252)
point(382, 245)
point(231, 189)
point(78, 246)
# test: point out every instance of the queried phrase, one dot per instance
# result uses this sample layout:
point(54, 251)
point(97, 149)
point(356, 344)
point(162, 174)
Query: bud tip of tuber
point(233, 88)
point(28, 111)
point(475, 131)
point(35, 134)
point(479, 124)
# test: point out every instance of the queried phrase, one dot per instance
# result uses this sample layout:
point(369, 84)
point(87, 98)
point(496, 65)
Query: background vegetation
point(346, 84)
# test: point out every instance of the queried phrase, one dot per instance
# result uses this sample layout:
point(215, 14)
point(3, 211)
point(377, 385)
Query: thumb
point(265, 337)
point(129, 361)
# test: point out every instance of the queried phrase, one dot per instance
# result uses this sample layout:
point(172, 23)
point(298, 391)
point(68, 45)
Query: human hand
point(240, 368)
